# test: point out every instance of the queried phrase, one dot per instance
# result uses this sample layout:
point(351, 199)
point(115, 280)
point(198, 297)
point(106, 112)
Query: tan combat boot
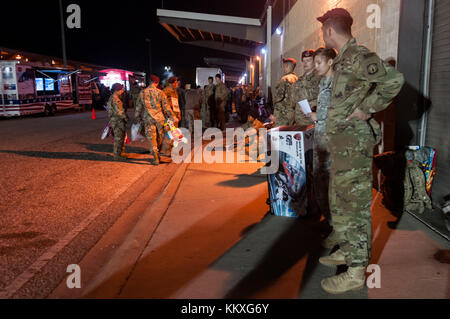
point(353, 279)
point(335, 259)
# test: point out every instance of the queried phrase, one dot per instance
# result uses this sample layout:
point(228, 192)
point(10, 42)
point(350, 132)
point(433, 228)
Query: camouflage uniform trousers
point(154, 131)
point(220, 115)
point(350, 193)
point(119, 127)
point(321, 176)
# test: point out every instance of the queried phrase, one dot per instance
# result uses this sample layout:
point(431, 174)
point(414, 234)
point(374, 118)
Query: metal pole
point(63, 33)
point(427, 73)
point(269, 50)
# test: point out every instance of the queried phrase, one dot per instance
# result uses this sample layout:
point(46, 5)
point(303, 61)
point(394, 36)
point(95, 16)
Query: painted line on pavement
point(45, 258)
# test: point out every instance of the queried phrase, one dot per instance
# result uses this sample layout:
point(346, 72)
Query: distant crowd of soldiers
point(155, 106)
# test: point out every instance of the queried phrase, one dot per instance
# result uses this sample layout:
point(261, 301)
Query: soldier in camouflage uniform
point(305, 88)
point(363, 84)
point(172, 97)
point(323, 60)
point(283, 106)
point(153, 109)
point(118, 119)
point(208, 101)
point(222, 94)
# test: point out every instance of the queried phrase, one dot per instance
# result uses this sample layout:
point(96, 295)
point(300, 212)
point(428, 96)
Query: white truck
point(203, 74)
point(26, 89)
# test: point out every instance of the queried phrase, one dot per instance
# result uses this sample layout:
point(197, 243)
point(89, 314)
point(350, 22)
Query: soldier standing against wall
point(363, 84)
point(151, 109)
point(118, 119)
point(306, 88)
point(283, 107)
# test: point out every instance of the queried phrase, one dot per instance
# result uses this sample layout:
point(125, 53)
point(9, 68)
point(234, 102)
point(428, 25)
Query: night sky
point(113, 33)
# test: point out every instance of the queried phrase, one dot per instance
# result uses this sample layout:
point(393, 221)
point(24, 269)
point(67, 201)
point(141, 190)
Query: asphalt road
point(60, 191)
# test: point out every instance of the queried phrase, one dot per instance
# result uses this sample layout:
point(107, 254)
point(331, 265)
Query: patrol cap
point(154, 78)
point(289, 60)
point(117, 87)
point(172, 79)
point(336, 12)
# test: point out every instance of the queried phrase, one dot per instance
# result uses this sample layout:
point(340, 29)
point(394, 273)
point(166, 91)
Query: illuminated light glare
point(258, 58)
point(252, 66)
point(263, 51)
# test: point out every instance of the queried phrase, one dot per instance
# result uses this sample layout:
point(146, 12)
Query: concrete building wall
point(301, 30)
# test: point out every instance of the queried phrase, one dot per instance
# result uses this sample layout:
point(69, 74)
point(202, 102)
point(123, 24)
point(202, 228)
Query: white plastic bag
point(135, 135)
point(107, 131)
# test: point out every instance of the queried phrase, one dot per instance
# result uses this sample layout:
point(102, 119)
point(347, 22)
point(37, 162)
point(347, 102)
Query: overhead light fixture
point(279, 31)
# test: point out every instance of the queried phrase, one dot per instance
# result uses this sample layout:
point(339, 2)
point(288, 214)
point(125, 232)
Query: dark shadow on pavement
point(299, 238)
point(108, 148)
point(245, 180)
point(82, 156)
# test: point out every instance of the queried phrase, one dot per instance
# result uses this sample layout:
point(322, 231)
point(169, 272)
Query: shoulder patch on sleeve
point(371, 66)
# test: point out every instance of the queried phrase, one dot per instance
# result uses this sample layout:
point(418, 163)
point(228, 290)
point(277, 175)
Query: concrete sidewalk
point(216, 240)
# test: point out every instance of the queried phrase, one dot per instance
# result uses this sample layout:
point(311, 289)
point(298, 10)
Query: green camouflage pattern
point(306, 88)
point(172, 93)
point(153, 109)
point(135, 90)
point(118, 120)
point(283, 107)
point(361, 80)
point(321, 163)
point(221, 96)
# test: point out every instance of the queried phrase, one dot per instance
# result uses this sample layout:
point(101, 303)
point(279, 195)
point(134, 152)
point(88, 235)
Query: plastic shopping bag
point(135, 134)
point(107, 131)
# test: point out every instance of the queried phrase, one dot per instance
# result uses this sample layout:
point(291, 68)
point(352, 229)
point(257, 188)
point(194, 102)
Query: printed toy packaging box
point(288, 186)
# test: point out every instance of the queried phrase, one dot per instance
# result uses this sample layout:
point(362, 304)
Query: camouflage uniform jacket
point(209, 91)
point(134, 93)
point(283, 106)
point(221, 92)
point(361, 80)
point(155, 105)
point(172, 96)
point(323, 100)
point(116, 109)
point(307, 87)
point(282, 90)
